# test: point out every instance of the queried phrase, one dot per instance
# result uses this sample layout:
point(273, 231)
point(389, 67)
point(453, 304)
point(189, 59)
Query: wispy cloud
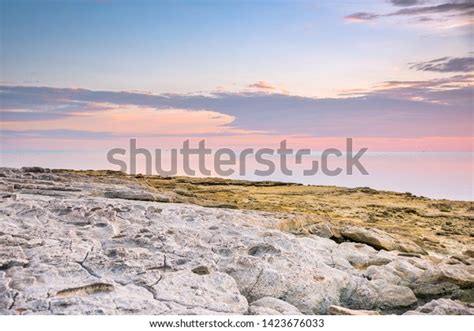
point(393, 109)
point(442, 8)
point(454, 92)
point(434, 12)
point(262, 85)
point(446, 64)
point(360, 17)
point(404, 3)
point(58, 134)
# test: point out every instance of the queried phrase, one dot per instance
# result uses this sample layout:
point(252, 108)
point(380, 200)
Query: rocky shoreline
point(108, 243)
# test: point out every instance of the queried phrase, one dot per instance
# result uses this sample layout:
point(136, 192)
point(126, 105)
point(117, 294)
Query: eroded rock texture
point(75, 245)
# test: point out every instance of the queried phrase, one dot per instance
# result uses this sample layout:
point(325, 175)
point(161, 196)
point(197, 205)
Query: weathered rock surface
point(443, 307)
point(69, 247)
point(136, 195)
point(272, 306)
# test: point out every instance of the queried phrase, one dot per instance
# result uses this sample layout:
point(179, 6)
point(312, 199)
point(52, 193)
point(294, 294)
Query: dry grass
point(433, 224)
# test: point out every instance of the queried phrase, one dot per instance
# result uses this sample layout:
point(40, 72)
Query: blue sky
point(306, 47)
point(395, 74)
point(78, 78)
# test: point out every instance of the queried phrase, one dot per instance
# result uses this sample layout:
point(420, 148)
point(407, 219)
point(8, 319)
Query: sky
point(86, 76)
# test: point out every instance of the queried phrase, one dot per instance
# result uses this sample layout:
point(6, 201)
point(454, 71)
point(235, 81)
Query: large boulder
point(378, 295)
point(379, 239)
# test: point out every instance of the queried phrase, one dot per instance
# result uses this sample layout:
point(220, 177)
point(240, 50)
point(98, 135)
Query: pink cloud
point(262, 85)
point(132, 120)
point(360, 17)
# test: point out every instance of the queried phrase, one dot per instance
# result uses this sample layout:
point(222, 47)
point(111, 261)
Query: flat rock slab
point(91, 252)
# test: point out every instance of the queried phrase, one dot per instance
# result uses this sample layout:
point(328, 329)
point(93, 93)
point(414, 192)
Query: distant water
point(440, 175)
